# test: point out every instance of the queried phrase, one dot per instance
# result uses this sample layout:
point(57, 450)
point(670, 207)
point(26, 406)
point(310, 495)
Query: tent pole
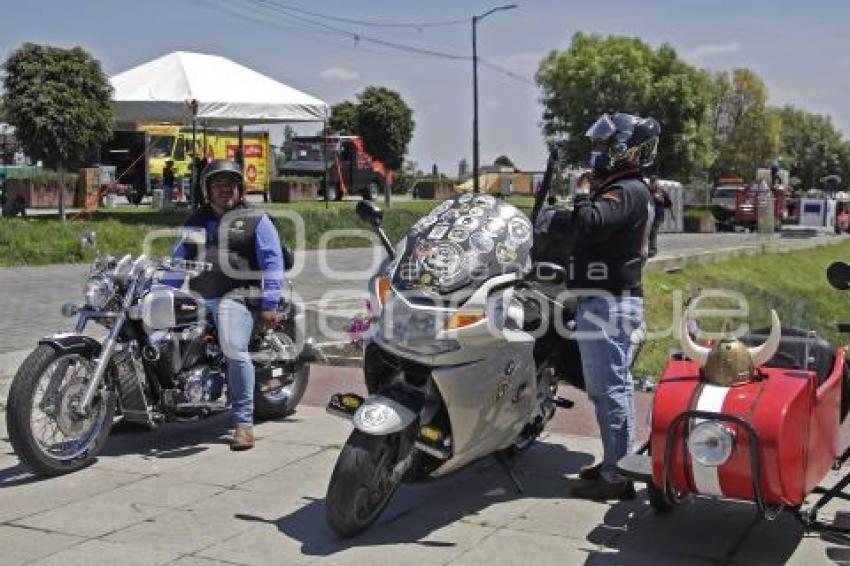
point(240, 157)
point(325, 161)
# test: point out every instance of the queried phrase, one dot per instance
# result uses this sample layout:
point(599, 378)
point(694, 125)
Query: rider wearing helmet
point(244, 250)
point(612, 220)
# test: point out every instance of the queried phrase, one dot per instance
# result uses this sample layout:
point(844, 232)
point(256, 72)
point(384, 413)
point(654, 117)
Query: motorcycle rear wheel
point(361, 485)
point(36, 409)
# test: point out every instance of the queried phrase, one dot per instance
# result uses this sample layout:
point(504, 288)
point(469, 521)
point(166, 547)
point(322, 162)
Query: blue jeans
point(610, 330)
point(234, 323)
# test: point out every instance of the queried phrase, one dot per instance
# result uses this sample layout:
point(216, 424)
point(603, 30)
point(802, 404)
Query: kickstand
point(506, 466)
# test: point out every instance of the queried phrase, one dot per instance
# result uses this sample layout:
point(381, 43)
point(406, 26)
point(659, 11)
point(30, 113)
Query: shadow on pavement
point(171, 440)
point(699, 530)
point(417, 510)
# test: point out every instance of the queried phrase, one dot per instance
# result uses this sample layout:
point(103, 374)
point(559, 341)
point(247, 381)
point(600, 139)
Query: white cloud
point(712, 49)
point(494, 104)
point(339, 74)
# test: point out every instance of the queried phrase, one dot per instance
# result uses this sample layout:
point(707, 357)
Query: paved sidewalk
point(179, 496)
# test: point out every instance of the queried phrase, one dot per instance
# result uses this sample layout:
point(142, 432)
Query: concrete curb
point(669, 263)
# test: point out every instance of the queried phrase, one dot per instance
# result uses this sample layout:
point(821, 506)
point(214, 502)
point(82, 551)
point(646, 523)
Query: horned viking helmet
point(729, 361)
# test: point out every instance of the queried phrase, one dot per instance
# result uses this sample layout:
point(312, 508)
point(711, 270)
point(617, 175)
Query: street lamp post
point(475, 19)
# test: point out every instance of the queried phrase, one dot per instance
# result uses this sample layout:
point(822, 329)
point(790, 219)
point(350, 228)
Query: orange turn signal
point(383, 289)
point(462, 320)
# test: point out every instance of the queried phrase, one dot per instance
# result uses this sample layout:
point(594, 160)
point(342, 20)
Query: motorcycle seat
point(792, 351)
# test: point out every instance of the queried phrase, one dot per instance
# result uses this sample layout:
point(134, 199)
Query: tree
point(59, 102)
point(385, 122)
point(747, 134)
point(811, 146)
point(504, 161)
point(343, 119)
point(619, 74)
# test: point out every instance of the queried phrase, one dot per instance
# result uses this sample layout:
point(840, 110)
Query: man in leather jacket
point(248, 261)
point(611, 223)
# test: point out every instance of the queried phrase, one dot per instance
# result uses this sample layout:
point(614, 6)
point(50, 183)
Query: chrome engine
point(197, 387)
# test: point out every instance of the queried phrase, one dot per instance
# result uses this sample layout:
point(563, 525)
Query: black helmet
point(622, 142)
point(221, 167)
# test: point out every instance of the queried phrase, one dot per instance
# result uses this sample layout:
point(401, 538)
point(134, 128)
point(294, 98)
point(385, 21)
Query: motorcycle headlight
point(413, 328)
point(710, 443)
point(98, 291)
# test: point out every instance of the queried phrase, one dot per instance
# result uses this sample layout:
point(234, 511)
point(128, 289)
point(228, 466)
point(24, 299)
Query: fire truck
point(735, 204)
point(349, 168)
point(139, 156)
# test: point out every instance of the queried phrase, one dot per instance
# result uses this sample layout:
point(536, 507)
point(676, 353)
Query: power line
point(367, 23)
point(358, 38)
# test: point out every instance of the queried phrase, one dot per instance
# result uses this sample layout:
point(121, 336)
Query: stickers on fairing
point(442, 208)
point(438, 232)
point(485, 201)
point(445, 261)
point(462, 242)
point(481, 242)
point(409, 270)
point(422, 249)
point(458, 234)
point(495, 227)
point(450, 216)
point(469, 223)
point(505, 254)
point(519, 230)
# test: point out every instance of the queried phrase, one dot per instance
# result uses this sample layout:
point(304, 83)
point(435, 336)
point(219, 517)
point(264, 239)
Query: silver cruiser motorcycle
point(464, 357)
point(159, 361)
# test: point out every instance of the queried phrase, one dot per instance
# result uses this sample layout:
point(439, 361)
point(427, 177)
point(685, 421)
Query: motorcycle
point(463, 359)
point(159, 362)
point(762, 420)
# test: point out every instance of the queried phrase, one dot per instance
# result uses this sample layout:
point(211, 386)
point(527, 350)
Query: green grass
point(792, 283)
point(44, 241)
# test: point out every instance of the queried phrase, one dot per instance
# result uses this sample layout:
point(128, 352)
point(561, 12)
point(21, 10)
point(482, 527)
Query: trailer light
point(710, 443)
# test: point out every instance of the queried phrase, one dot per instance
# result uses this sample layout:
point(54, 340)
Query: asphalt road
point(331, 285)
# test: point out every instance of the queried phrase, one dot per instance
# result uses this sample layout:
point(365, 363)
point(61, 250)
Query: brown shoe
point(243, 438)
point(601, 489)
point(590, 472)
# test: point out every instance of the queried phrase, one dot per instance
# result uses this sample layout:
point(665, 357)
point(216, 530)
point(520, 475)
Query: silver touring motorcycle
point(159, 361)
point(464, 357)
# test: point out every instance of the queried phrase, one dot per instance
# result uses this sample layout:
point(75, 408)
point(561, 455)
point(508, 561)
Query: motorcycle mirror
point(368, 212)
point(547, 272)
point(838, 275)
point(88, 239)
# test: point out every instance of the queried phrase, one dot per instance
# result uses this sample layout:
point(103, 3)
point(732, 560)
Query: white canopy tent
point(183, 88)
point(221, 93)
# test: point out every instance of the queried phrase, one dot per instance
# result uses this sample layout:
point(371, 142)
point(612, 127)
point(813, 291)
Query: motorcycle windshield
point(461, 243)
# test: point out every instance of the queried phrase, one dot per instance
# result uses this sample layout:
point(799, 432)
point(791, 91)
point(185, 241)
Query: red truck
point(736, 204)
point(350, 170)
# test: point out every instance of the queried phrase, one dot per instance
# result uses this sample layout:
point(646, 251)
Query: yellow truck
point(136, 175)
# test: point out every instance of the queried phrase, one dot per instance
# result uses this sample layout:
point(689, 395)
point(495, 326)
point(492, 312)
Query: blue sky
point(801, 50)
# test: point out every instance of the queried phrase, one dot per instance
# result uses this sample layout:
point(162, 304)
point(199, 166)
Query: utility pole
point(475, 19)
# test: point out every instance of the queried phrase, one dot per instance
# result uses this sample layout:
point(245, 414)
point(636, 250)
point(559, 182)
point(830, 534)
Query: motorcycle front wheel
point(48, 436)
point(362, 482)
